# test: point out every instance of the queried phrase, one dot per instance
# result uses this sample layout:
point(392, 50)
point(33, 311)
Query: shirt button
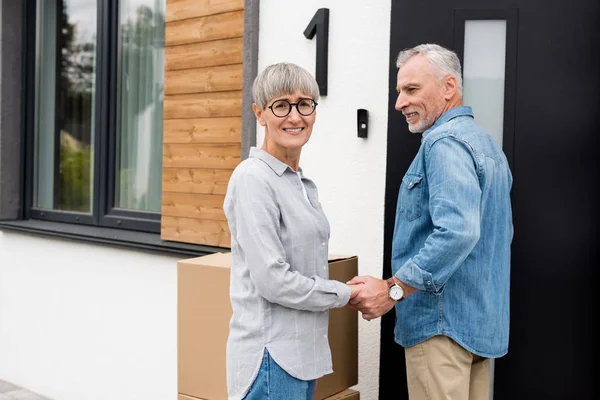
point(324, 244)
point(429, 282)
point(325, 336)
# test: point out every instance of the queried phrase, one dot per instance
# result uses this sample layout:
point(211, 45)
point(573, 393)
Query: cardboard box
point(347, 394)
point(343, 335)
point(203, 314)
point(184, 397)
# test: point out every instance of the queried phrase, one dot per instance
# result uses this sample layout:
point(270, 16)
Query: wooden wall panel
point(198, 55)
point(203, 105)
point(195, 180)
point(203, 29)
point(202, 117)
point(221, 156)
point(198, 80)
point(193, 205)
point(185, 9)
point(193, 230)
point(203, 130)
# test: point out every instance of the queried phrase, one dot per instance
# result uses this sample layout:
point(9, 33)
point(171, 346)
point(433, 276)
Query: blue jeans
point(273, 383)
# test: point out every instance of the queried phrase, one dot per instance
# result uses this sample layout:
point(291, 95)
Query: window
point(484, 72)
point(95, 132)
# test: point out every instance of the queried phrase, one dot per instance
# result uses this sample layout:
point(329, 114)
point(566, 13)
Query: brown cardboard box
point(184, 397)
point(343, 335)
point(203, 314)
point(347, 394)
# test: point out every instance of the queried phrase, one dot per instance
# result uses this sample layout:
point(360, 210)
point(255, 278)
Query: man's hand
point(372, 300)
point(354, 290)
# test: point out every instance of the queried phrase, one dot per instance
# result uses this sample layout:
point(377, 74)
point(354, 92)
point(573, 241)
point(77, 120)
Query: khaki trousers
point(440, 369)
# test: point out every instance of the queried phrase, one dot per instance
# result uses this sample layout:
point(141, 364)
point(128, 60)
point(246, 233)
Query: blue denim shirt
point(452, 238)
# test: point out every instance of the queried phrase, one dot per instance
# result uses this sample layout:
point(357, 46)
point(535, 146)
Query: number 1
point(319, 24)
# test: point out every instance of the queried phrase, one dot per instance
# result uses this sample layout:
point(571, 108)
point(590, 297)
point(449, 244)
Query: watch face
point(396, 292)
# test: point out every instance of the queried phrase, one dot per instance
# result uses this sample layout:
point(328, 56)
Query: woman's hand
point(354, 290)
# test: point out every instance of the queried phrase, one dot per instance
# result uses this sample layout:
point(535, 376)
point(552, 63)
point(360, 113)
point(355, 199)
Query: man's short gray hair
point(281, 79)
point(444, 61)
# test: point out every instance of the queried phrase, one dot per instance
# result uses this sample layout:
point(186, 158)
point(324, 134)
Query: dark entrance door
point(551, 112)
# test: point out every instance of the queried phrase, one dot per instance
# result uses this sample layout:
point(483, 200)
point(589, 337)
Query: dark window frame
point(16, 173)
point(104, 213)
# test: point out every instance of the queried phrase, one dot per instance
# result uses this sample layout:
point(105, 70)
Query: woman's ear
point(258, 113)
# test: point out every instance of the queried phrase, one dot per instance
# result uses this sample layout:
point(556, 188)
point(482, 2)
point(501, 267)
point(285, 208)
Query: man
point(451, 243)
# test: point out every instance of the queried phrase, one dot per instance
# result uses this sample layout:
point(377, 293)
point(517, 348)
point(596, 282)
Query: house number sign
point(319, 25)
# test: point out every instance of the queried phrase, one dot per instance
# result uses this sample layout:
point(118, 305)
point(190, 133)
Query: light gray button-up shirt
point(280, 288)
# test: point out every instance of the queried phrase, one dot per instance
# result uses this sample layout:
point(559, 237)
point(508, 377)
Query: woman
point(280, 291)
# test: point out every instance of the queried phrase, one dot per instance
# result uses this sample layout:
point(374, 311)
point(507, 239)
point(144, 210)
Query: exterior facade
point(102, 315)
point(105, 188)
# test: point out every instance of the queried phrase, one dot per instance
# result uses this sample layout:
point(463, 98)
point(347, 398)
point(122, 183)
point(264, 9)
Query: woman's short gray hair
point(444, 61)
point(281, 79)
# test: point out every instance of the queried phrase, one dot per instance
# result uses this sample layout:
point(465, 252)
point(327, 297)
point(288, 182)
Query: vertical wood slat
point(202, 117)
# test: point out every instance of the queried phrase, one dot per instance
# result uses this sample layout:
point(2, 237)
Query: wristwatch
point(395, 292)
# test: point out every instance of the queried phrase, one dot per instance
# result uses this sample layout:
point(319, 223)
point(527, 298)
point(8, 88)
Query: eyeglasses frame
point(315, 104)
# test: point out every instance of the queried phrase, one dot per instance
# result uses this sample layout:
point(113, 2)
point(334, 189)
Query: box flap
point(347, 394)
point(337, 257)
point(211, 260)
point(224, 259)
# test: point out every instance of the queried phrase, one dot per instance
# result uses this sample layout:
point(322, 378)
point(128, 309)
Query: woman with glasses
point(280, 292)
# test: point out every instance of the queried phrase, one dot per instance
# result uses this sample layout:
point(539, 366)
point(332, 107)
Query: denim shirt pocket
point(411, 196)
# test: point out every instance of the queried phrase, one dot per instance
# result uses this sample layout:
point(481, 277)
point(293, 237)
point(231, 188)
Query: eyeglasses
point(282, 108)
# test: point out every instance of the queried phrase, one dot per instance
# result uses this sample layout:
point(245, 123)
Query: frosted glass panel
point(483, 73)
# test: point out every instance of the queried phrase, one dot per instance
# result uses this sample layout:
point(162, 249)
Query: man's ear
point(450, 87)
point(258, 113)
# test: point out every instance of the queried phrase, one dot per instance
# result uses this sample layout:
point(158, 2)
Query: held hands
point(370, 296)
point(354, 290)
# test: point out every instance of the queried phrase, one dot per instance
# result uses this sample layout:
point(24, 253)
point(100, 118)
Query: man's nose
point(401, 102)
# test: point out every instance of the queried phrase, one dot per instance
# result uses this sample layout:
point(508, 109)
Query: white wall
point(349, 171)
point(82, 321)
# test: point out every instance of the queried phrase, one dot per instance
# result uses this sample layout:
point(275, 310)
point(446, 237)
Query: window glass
point(140, 105)
point(64, 96)
point(483, 73)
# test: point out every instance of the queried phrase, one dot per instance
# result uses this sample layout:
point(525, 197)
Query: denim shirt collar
point(276, 165)
point(460, 111)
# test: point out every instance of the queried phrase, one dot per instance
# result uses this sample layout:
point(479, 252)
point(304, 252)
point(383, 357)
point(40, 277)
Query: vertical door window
point(484, 67)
